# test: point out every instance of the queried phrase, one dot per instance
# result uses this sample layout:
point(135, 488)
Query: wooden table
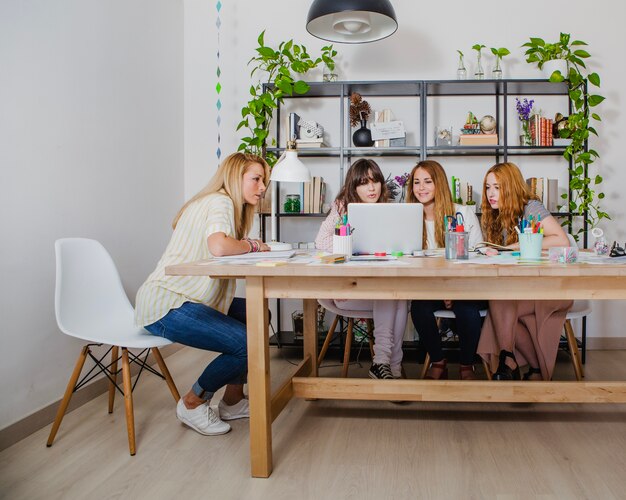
point(421, 278)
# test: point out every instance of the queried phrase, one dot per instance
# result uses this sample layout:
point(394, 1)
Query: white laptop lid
point(386, 227)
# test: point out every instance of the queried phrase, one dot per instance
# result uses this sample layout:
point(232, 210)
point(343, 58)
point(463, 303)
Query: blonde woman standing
point(200, 311)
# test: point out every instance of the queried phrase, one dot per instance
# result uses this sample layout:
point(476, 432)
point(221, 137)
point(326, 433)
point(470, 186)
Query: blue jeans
point(198, 325)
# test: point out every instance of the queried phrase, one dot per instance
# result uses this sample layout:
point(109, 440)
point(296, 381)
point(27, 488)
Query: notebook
point(386, 227)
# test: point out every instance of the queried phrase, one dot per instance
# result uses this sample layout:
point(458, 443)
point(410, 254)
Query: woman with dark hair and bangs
point(519, 332)
point(365, 183)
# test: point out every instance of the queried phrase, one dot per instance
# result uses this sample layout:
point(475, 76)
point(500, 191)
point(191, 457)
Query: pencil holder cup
point(530, 245)
point(457, 245)
point(342, 245)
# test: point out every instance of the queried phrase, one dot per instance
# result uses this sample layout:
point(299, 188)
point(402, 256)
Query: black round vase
point(362, 137)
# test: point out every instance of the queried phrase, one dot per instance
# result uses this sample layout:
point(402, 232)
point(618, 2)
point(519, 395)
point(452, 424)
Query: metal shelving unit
point(423, 91)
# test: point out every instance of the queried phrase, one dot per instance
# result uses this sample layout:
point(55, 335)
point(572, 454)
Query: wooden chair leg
point(128, 401)
point(487, 370)
point(370, 336)
point(69, 390)
point(327, 340)
point(166, 373)
point(114, 352)
point(573, 350)
point(425, 366)
point(346, 352)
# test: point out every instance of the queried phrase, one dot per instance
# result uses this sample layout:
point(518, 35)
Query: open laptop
point(386, 227)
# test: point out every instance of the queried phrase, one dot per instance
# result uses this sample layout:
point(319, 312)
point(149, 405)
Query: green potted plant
point(584, 198)
point(479, 74)
point(281, 69)
point(501, 52)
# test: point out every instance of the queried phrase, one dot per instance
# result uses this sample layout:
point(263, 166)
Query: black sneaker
point(381, 371)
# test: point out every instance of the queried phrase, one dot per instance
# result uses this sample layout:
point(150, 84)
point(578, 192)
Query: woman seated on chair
point(200, 311)
point(519, 332)
point(365, 183)
point(430, 187)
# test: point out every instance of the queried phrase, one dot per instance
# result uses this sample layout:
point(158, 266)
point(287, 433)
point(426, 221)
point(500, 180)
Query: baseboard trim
point(45, 416)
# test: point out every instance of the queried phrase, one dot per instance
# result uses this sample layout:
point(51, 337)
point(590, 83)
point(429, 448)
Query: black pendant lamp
point(351, 21)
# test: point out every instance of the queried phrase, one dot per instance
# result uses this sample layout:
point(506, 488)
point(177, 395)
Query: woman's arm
point(324, 239)
point(553, 233)
point(221, 245)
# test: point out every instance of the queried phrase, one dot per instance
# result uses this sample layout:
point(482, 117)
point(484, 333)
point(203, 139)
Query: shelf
point(286, 214)
point(310, 152)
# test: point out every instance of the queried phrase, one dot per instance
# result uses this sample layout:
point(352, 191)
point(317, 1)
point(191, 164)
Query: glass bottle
point(461, 72)
point(328, 75)
point(496, 72)
point(292, 204)
point(479, 74)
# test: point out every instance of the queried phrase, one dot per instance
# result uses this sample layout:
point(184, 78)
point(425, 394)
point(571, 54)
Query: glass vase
point(479, 74)
point(496, 72)
point(525, 138)
point(328, 75)
point(461, 72)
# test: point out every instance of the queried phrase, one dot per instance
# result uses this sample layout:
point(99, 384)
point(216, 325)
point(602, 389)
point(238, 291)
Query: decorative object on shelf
point(488, 124)
point(584, 199)
point(469, 197)
point(328, 74)
point(523, 115)
point(351, 21)
point(288, 168)
point(401, 181)
point(281, 67)
point(461, 72)
point(292, 204)
point(360, 111)
point(443, 136)
point(310, 129)
point(496, 72)
point(471, 125)
point(479, 74)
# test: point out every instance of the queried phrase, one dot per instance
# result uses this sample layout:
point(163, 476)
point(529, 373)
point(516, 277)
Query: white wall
point(424, 47)
point(91, 144)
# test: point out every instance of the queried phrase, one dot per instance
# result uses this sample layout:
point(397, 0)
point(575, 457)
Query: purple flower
point(401, 180)
point(524, 108)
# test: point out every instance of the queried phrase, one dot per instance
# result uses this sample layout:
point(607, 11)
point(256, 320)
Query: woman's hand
point(448, 304)
point(263, 247)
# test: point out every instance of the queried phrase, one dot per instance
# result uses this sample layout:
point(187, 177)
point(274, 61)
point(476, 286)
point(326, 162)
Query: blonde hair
point(443, 198)
point(228, 178)
point(513, 198)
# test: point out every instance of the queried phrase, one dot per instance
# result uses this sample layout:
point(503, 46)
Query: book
point(488, 244)
point(294, 120)
point(552, 195)
point(478, 139)
point(257, 256)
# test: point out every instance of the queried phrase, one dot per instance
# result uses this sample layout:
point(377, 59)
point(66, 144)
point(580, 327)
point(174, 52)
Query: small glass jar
point(328, 75)
point(292, 204)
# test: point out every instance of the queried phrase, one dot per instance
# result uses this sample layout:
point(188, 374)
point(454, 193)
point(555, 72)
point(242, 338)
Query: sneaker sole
point(233, 417)
point(376, 378)
point(200, 431)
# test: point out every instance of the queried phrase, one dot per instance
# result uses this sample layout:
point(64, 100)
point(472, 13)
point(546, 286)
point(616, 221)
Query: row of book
point(541, 131)
point(312, 195)
point(547, 190)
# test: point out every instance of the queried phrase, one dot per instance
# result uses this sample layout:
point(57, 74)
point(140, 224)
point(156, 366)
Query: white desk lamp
point(288, 168)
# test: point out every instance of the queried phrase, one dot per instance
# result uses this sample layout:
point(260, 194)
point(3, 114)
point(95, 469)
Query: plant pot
point(362, 138)
point(550, 67)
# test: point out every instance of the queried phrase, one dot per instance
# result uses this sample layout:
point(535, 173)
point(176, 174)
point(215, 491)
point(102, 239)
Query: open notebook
point(277, 254)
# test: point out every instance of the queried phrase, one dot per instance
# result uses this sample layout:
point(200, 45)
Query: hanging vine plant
point(281, 69)
point(585, 190)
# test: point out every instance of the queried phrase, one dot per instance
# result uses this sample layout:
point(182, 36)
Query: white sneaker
point(238, 410)
point(201, 419)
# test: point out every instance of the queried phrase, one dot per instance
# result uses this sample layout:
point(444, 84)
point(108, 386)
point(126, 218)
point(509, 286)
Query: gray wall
point(91, 144)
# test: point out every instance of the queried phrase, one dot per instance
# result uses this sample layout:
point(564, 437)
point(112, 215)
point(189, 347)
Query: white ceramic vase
point(550, 67)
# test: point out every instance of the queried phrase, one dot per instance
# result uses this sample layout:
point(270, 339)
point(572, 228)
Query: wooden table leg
point(310, 333)
point(259, 378)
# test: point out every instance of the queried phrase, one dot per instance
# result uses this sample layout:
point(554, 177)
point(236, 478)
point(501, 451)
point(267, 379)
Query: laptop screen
point(386, 227)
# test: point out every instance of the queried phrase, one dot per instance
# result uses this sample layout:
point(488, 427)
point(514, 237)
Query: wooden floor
point(333, 449)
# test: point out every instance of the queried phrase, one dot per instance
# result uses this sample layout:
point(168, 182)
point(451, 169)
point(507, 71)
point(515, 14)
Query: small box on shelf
point(478, 139)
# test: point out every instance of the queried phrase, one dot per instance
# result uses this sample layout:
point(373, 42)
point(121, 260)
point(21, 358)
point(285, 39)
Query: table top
point(407, 267)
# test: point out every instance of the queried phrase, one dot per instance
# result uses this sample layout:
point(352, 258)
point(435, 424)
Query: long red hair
point(514, 196)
